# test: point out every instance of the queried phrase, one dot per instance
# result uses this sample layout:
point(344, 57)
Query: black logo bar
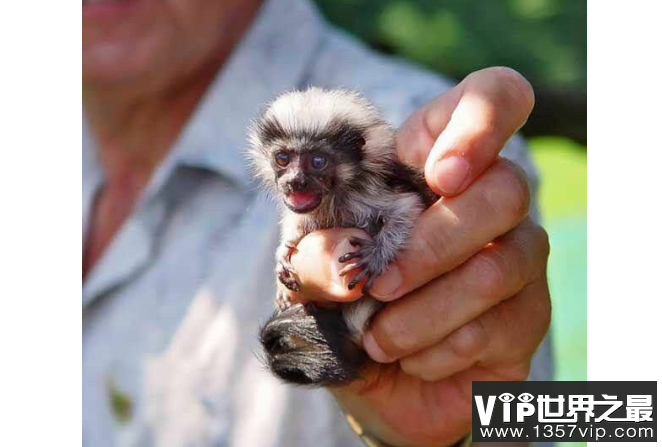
point(564, 411)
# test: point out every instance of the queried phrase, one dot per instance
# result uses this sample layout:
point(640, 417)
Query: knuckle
point(411, 367)
point(428, 375)
point(421, 368)
point(532, 242)
point(544, 312)
point(529, 248)
point(542, 236)
point(433, 245)
point(392, 334)
point(515, 87)
point(469, 341)
point(489, 273)
point(511, 195)
point(536, 240)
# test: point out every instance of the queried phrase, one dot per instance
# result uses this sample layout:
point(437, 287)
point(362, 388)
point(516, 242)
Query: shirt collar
point(273, 56)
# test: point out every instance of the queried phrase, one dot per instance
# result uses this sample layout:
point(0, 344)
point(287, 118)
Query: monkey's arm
point(291, 234)
point(373, 256)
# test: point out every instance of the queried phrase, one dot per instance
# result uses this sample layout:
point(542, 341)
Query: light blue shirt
point(171, 311)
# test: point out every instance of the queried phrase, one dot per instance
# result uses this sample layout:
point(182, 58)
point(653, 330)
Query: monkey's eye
point(318, 162)
point(282, 159)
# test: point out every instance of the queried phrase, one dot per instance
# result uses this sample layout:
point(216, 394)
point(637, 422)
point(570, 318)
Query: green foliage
point(562, 163)
point(543, 39)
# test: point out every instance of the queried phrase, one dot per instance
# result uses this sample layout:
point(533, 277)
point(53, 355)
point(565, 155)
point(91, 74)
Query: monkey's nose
point(274, 343)
point(277, 337)
point(298, 184)
point(297, 180)
point(311, 345)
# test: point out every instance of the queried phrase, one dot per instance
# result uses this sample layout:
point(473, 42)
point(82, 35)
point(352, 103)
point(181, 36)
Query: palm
point(394, 405)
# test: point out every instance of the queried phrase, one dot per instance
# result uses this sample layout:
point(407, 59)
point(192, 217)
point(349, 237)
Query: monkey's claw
point(284, 270)
point(283, 301)
point(367, 261)
point(360, 242)
point(291, 249)
point(286, 277)
point(347, 256)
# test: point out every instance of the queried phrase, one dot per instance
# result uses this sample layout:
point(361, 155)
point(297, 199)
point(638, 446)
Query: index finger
point(459, 134)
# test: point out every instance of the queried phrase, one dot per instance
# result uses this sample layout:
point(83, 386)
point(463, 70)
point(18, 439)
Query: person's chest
point(167, 334)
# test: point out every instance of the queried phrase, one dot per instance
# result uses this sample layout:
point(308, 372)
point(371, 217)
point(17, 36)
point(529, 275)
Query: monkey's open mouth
point(302, 201)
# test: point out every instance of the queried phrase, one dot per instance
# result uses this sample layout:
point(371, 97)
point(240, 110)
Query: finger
point(507, 335)
point(459, 134)
point(430, 314)
point(317, 266)
point(453, 229)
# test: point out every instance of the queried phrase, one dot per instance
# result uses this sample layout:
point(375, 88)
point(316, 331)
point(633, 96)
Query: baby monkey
point(331, 158)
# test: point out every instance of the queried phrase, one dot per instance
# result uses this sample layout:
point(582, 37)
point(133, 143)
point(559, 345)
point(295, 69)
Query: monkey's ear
point(361, 141)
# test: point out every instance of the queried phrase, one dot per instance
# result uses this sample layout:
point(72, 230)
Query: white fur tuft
point(357, 316)
point(315, 109)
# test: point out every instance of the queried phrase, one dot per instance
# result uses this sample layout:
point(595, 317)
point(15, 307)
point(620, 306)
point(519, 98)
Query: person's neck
point(136, 123)
point(134, 131)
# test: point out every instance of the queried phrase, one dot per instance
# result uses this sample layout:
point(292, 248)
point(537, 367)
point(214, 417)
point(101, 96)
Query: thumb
point(317, 268)
point(459, 134)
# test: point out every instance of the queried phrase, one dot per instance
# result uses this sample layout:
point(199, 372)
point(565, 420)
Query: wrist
point(370, 440)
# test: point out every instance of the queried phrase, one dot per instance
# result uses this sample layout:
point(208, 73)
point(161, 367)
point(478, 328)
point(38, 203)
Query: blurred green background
point(545, 40)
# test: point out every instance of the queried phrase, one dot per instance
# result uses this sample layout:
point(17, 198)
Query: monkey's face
point(318, 156)
point(304, 178)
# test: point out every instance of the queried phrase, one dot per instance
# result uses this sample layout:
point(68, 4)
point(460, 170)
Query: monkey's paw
point(286, 276)
point(366, 259)
point(283, 301)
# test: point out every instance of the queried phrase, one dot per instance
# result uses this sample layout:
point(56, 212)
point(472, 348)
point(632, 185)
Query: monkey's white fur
point(358, 314)
point(314, 109)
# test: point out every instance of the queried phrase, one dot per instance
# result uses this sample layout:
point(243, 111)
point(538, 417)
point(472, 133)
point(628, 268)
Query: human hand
point(468, 298)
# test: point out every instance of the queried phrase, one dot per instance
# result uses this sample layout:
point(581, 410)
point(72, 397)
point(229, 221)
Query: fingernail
point(387, 284)
point(451, 173)
point(373, 349)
